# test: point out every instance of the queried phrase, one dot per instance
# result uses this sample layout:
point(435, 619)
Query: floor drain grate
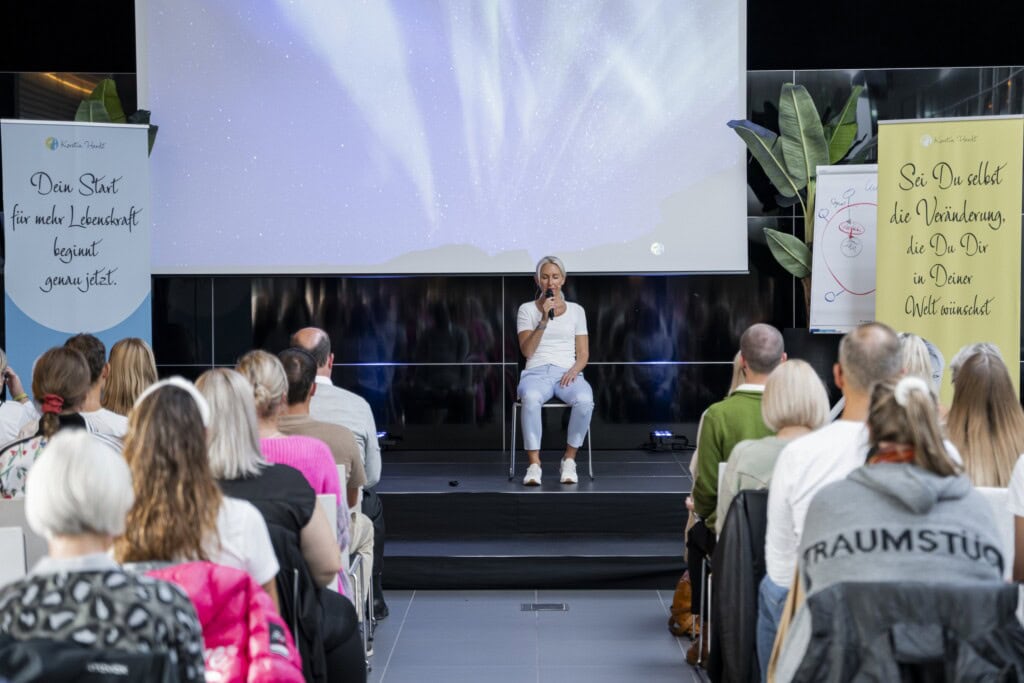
point(544, 607)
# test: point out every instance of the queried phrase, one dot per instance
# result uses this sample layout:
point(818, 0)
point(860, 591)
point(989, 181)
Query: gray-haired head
point(77, 486)
point(969, 350)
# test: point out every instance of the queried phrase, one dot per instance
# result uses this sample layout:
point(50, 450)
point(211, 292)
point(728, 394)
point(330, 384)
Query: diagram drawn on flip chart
point(845, 230)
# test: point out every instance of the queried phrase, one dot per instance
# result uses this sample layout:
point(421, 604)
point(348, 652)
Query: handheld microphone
point(551, 295)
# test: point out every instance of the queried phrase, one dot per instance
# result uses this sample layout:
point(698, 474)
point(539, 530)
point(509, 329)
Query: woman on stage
point(553, 337)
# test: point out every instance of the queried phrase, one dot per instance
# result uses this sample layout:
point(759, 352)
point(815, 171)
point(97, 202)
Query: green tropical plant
point(103, 105)
point(790, 159)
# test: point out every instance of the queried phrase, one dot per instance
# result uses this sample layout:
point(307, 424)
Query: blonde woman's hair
point(269, 383)
point(233, 435)
point(915, 359)
point(174, 516)
point(132, 370)
point(906, 412)
point(557, 262)
point(737, 373)
point(985, 421)
point(794, 396)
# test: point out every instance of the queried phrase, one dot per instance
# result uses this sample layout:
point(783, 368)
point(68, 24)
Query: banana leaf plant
point(103, 105)
point(790, 159)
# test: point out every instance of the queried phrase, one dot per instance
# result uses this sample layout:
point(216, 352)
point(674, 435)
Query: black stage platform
point(455, 521)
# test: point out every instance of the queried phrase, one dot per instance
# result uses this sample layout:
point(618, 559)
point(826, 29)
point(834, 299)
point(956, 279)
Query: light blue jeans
point(771, 599)
point(536, 386)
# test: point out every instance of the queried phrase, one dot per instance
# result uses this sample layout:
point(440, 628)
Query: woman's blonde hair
point(554, 260)
point(915, 358)
point(985, 421)
point(738, 375)
point(233, 440)
point(906, 412)
point(132, 369)
point(794, 396)
point(269, 383)
point(174, 516)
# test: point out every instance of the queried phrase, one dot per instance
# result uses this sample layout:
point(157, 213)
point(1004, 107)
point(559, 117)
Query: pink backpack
point(245, 639)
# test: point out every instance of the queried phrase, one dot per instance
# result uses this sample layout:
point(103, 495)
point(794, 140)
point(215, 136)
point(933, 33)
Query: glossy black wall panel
point(385, 319)
point(433, 407)
point(183, 320)
point(232, 304)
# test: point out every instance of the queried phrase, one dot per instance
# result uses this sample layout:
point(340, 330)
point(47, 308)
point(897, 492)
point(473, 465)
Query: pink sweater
point(313, 458)
point(310, 456)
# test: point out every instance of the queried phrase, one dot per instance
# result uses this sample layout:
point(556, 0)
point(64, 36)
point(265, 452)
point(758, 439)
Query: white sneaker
point(569, 471)
point(532, 477)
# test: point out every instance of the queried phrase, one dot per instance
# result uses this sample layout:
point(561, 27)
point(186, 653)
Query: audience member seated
point(985, 422)
point(339, 406)
point(300, 369)
point(132, 370)
point(907, 515)
point(795, 403)
point(16, 411)
point(99, 418)
point(725, 424)
point(310, 456)
point(179, 512)
point(681, 620)
point(60, 381)
point(288, 504)
point(867, 355)
point(77, 496)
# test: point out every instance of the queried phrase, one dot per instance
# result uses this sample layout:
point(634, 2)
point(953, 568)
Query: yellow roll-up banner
point(949, 232)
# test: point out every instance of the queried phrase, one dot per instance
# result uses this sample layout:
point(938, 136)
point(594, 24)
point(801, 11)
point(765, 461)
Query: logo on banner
point(51, 143)
point(926, 140)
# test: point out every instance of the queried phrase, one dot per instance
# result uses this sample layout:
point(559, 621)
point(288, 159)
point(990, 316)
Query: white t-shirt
point(244, 541)
point(558, 345)
point(107, 422)
point(806, 465)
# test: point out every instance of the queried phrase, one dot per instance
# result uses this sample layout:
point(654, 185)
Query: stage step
point(537, 561)
point(463, 525)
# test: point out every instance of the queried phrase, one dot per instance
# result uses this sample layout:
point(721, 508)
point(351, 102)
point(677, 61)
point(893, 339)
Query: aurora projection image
point(430, 136)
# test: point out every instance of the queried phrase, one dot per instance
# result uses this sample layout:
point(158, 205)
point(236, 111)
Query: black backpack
point(38, 660)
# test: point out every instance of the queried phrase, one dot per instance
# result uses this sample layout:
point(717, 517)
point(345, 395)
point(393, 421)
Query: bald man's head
point(869, 354)
point(762, 348)
point(316, 341)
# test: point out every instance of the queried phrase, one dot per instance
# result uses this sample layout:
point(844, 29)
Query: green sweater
point(726, 423)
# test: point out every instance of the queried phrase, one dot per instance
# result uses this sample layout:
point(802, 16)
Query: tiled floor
point(617, 636)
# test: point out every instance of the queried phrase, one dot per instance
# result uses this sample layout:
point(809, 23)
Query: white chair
point(998, 498)
point(329, 503)
point(12, 549)
point(12, 513)
point(554, 403)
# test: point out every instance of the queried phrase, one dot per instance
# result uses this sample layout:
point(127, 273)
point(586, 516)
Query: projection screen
point(445, 136)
